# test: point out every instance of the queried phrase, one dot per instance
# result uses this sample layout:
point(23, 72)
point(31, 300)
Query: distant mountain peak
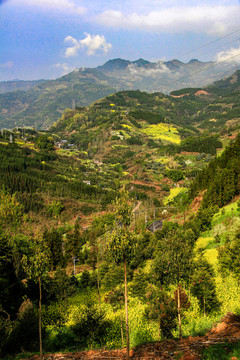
point(141, 62)
point(115, 64)
point(193, 61)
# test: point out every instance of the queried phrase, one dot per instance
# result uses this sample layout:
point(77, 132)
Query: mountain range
point(41, 103)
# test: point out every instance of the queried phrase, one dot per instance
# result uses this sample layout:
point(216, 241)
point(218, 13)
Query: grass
point(227, 351)
point(164, 132)
point(19, 356)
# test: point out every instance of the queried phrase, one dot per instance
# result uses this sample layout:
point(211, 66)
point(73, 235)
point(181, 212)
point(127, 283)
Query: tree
point(203, 286)
point(53, 240)
point(173, 260)
point(45, 142)
point(161, 307)
point(11, 290)
point(121, 242)
point(11, 210)
point(229, 256)
point(36, 265)
point(91, 327)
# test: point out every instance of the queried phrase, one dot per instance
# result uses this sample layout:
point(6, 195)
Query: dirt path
point(137, 206)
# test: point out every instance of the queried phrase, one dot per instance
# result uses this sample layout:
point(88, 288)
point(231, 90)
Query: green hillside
point(44, 103)
point(79, 205)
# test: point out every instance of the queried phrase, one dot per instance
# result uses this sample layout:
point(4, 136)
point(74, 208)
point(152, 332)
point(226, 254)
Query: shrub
point(91, 328)
point(55, 208)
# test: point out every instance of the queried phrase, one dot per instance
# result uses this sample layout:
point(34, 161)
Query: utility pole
point(74, 262)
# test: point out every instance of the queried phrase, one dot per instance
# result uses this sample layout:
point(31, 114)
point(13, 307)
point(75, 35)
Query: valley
point(77, 201)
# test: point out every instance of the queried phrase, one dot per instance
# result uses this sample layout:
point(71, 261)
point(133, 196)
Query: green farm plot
point(164, 132)
point(173, 193)
point(128, 127)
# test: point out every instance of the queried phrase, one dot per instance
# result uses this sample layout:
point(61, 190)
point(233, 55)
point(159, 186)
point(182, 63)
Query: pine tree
point(203, 286)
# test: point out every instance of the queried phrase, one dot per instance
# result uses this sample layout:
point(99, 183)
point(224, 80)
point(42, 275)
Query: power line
point(211, 42)
point(230, 42)
point(207, 68)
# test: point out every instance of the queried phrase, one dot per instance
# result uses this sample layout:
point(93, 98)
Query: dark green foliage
point(61, 286)
point(173, 257)
point(64, 339)
point(74, 242)
point(185, 91)
point(150, 117)
point(228, 256)
point(115, 137)
point(152, 144)
point(134, 140)
point(220, 177)
point(115, 298)
point(113, 277)
point(175, 175)
point(141, 253)
point(25, 329)
point(53, 240)
point(54, 314)
point(135, 123)
point(31, 202)
point(161, 307)
point(43, 142)
point(85, 279)
point(11, 290)
point(203, 144)
point(91, 328)
point(203, 286)
point(139, 284)
point(204, 217)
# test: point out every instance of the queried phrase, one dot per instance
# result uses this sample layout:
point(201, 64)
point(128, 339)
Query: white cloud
point(209, 19)
point(72, 50)
point(159, 69)
point(92, 44)
point(64, 67)
point(62, 5)
point(7, 65)
point(230, 56)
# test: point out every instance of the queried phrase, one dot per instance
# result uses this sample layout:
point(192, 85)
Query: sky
point(44, 39)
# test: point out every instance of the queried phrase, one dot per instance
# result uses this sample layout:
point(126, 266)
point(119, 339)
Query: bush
point(59, 339)
point(24, 336)
point(91, 328)
point(55, 208)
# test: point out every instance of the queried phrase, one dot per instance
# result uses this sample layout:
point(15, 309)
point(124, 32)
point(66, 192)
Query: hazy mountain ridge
point(14, 85)
point(44, 103)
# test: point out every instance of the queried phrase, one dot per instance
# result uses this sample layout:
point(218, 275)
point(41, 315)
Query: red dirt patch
point(179, 96)
point(196, 204)
point(201, 92)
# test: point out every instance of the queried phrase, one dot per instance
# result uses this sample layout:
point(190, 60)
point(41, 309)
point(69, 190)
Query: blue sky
point(47, 38)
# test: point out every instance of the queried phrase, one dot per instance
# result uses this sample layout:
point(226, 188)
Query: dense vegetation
point(68, 230)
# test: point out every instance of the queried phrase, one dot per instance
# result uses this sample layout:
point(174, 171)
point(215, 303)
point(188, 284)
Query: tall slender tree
point(121, 243)
point(36, 265)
